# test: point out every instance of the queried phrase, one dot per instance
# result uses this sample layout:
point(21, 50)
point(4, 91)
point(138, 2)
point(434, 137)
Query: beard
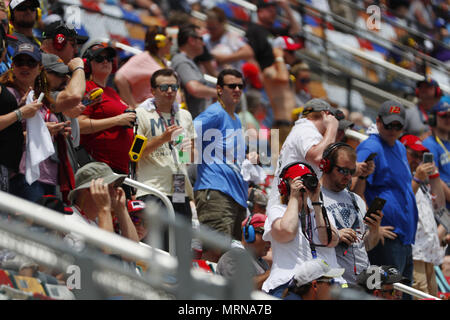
point(25, 24)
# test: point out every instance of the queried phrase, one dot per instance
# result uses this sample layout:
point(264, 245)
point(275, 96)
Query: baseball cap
point(286, 43)
point(388, 275)
point(28, 49)
point(442, 106)
point(54, 63)
point(53, 202)
point(428, 80)
point(59, 27)
point(251, 72)
point(265, 3)
point(134, 206)
point(260, 197)
point(91, 171)
point(258, 220)
point(314, 269)
point(297, 170)
point(391, 111)
point(344, 124)
point(14, 3)
point(316, 104)
point(413, 142)
point(97, 46)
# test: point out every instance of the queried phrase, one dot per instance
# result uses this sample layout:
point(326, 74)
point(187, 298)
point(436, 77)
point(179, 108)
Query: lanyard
point(442, 145)
point(172, 121)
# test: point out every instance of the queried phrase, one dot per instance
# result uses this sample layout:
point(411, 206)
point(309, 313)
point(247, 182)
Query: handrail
point(414, 292)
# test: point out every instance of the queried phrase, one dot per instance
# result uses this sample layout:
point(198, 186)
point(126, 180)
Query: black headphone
point(283, 185)
point(327, 164)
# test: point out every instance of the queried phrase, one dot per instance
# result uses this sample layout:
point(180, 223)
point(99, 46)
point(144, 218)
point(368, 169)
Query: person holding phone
point(391, 181)
point(427, 249)
point(358, 233)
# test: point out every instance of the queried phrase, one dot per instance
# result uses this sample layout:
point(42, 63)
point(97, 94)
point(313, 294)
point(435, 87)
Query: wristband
point(417, 180)
point(279, 59)
point(318, 203)
point(433, 176)
point(18, 114)
point(79, 67)
point(362, 178)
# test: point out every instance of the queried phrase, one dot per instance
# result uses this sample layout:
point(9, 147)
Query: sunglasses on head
point(233, 86)
point(100, 58)
point(393, 126)
point(345, 171)
point(24, 7)
point(165, 87)
point(30, 63)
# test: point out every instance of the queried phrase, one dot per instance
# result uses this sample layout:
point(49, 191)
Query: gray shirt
point(415, 122)
point(188, 71)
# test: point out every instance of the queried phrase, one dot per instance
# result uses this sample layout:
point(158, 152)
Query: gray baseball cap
point(315, 105)
point(91, 171)
point(54, 63)
point(391, 111)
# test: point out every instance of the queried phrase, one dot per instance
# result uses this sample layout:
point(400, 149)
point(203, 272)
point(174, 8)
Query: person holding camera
point(358, 233)
point(430, 198)
point(106, 126)
point(297, 226)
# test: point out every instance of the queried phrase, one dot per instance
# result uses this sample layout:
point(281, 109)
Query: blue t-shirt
point(391, 181)
point(441, 158)
point(222, 151)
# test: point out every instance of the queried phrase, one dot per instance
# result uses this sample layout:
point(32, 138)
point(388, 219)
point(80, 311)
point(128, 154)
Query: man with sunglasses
point(357, 234)
point(391, 181)
point(163, 161)
point(24, 16)
point(302, 74)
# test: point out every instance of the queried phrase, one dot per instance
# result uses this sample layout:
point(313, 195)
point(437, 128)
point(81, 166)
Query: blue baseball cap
point(28, 49)
point(443, 105)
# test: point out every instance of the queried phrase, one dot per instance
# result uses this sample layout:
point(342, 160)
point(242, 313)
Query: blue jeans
point(18, 186)
point(394, 252)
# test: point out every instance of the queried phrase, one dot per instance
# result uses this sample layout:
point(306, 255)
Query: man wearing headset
point(23, 15)
point(358, 234)
point(252, 231)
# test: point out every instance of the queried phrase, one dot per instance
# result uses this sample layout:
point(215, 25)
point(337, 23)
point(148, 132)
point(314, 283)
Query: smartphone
point(377, 204)
point(427, 157)
point(371, 156)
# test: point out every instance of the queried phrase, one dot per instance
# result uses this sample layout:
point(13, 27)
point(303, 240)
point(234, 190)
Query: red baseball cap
point(257, 221)
point(251, 72)
point(135, 206)
point(413, 142)
point(297, 170)
point(286, 43)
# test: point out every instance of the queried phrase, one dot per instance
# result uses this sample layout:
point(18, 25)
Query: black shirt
point(11, 138)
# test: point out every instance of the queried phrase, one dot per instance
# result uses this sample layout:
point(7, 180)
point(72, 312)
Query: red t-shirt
point(112, 145)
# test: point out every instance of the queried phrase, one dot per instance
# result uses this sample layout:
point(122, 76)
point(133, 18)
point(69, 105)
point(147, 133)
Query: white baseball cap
point(313, 270)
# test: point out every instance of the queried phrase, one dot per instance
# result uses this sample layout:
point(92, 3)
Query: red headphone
point(437, 92)
point(59, 41)
point(283, 185)
point(326, 165)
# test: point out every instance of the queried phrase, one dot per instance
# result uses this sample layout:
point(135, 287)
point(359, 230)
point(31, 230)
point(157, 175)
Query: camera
point(133, 123)
point(309, 181)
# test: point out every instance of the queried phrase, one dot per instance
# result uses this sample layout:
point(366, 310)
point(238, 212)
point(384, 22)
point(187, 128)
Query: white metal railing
point(413, 292)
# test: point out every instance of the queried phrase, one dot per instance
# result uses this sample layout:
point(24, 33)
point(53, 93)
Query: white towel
point(253, 172)
point(39, 144)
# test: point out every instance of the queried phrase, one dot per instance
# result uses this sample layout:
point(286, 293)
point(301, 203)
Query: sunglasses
point(233, 86)
point(100, 58)
point(345, 171)
point(30, 63)
point(25, 7)
point(165, 87)
point(393, 126)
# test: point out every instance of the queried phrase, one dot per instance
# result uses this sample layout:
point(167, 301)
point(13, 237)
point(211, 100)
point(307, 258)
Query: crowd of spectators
point(72, 109)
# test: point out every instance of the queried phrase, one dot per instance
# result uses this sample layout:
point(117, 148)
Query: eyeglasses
point(345, 171)
point(396, 126)
point(233, 86)
point(30, 63)
point(165, 87)
point(24, 7)
point(100, 58)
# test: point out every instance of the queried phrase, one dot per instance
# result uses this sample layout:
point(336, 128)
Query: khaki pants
point(424, 277)
point(220, 212)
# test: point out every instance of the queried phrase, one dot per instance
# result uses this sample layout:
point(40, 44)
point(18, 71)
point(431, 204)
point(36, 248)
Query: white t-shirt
point(73, 239)
point(287, 257)
point(345, 214)
point(302, 137)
